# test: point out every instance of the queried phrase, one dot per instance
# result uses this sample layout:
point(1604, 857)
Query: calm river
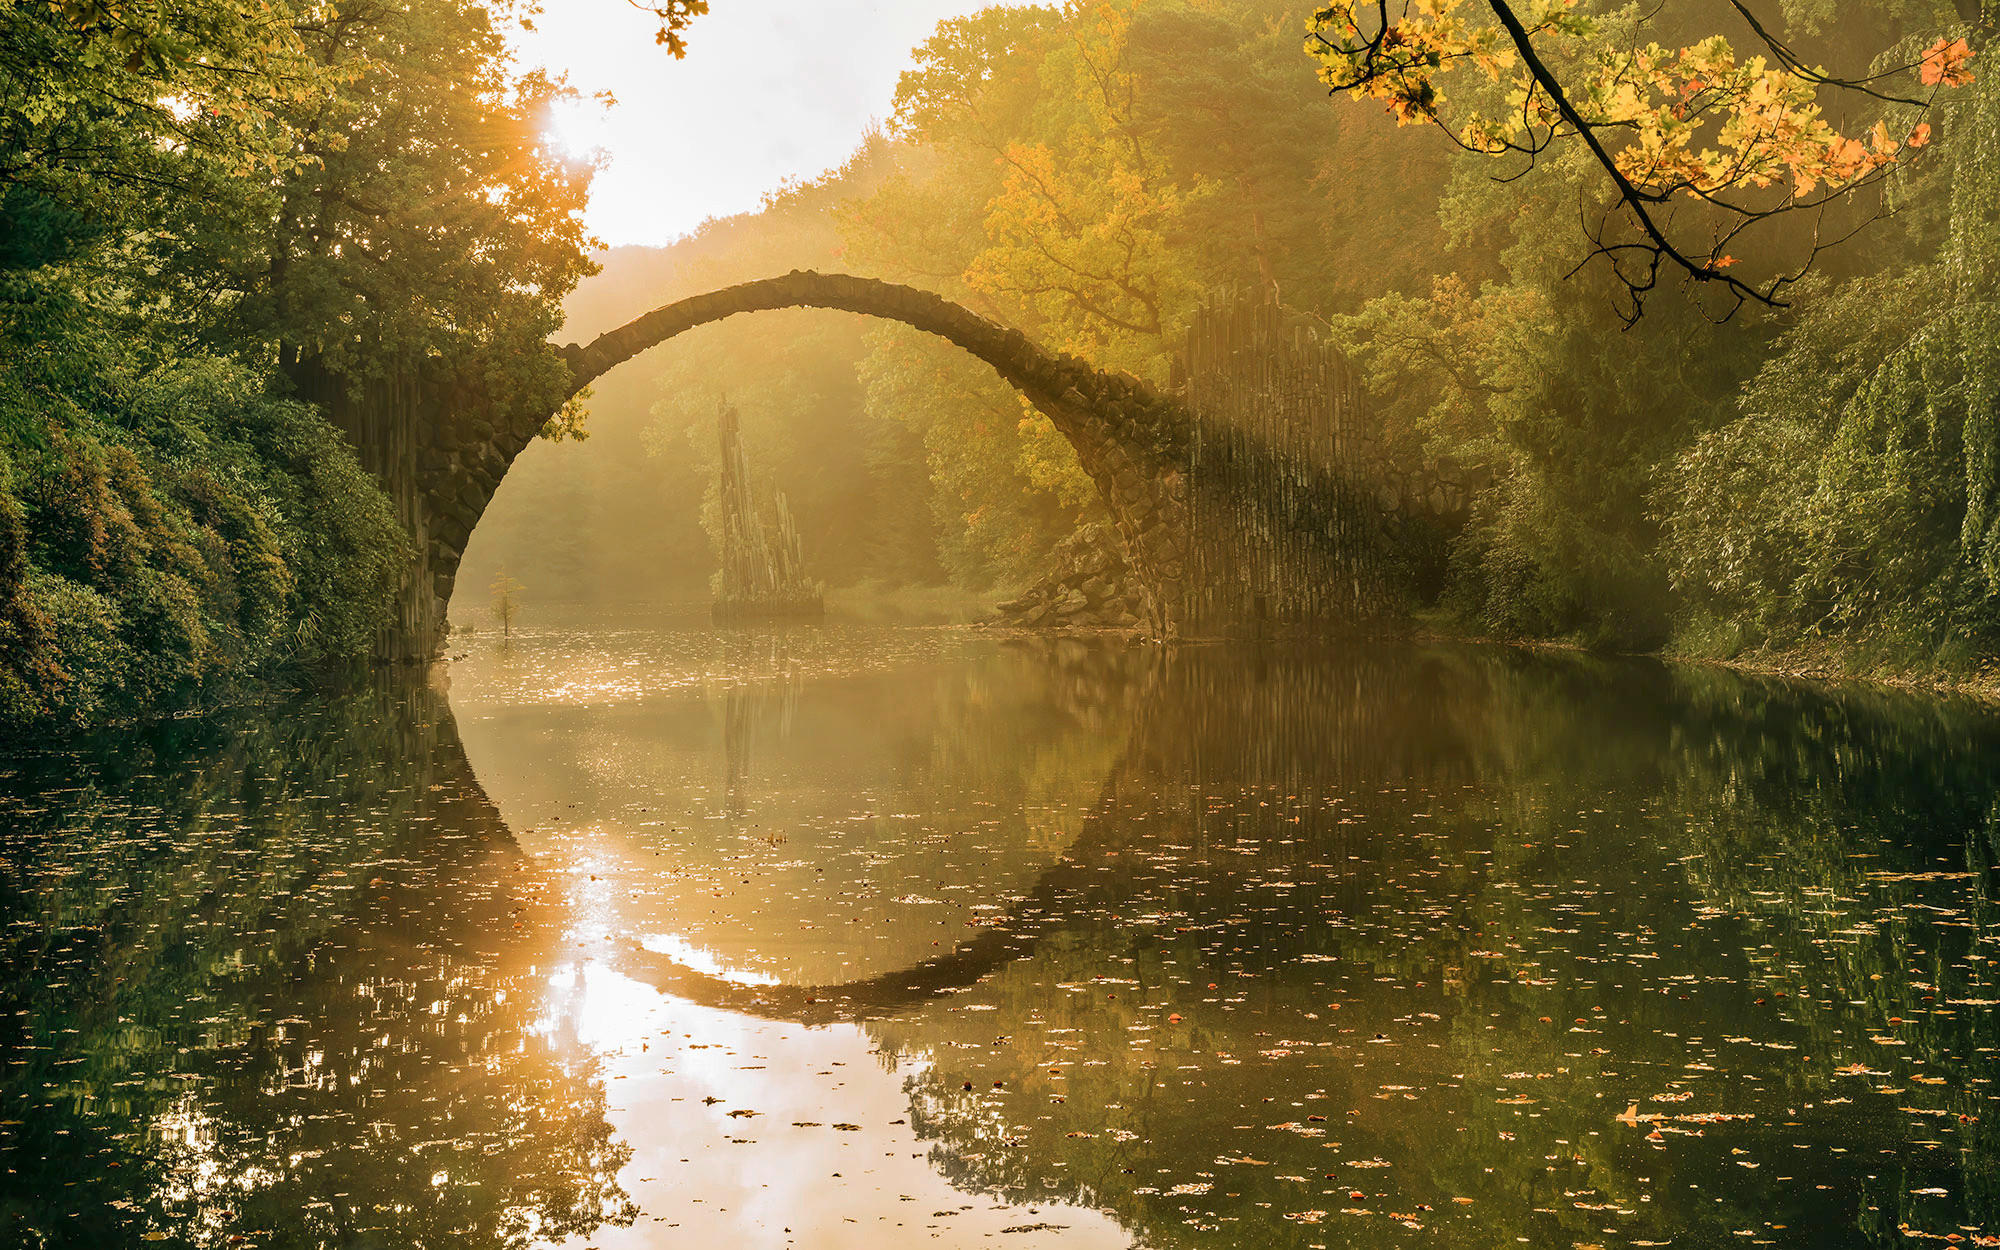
point(876, 937)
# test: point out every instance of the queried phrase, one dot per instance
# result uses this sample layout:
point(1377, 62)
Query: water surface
point(884, 937)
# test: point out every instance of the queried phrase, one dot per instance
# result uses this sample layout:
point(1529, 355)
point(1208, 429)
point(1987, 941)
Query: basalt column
point(438, 449)
point(383, 421)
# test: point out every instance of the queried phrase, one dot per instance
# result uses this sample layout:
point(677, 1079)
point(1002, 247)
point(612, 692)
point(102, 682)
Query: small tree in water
point(506, 591)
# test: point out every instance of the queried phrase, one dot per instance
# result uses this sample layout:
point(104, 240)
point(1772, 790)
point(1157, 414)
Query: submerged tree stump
point(762, 577)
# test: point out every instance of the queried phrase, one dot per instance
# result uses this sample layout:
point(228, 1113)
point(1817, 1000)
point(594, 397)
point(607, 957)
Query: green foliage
point(115, 110)
point(1087, 173)
point(1003, 483)
point(1854, 503)
point(1690, 479)
point(1563, 418)
point(1084, 173)
point(1875, 526)
point(168, 532)
point(424, 214)
point(327, 201)
point(209, 211)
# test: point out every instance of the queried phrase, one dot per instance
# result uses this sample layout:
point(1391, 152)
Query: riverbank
point(933, 606)
point(1827, 665)
point(1982, 683)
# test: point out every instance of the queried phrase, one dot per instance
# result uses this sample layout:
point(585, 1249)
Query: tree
point(408, 273)
point(1855, 503)
point(108, 108)
point(430, 213)
point(1004, 486)
point(192, 196)
point(1082, 221)
point(505, 592)
point(1087, 174)
point(1699, 145)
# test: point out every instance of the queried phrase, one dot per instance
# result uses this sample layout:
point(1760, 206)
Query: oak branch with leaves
point(1699, 143)
point(675, 17)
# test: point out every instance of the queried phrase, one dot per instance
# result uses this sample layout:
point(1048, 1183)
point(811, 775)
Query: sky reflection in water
point(893, 937)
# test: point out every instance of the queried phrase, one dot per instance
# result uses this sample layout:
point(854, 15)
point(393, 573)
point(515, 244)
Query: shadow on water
point(1389, 947)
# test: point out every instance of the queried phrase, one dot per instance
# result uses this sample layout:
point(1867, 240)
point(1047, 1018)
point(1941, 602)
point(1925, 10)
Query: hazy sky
point(770, 89)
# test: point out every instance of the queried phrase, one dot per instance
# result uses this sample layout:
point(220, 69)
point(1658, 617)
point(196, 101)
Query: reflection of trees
point(1861, 847)
point(1026, 738)
point(275, 984)
point(1487, 840)
point(326, 1001)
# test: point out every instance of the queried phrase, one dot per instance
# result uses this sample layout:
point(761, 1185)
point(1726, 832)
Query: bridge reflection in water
point(735, 936)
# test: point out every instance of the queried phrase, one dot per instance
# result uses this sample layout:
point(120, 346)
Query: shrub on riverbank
point(167, 532)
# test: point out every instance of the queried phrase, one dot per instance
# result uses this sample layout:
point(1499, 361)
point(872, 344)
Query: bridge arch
point(1128, 436)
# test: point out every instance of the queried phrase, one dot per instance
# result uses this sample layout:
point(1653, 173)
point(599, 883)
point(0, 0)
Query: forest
point(1714, 346)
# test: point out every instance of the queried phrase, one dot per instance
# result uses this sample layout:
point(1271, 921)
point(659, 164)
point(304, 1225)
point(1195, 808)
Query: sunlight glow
point(580, 128)
point(699, 959)
point(712, 134)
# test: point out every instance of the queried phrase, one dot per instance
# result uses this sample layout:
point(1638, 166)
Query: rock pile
point(1088, 585)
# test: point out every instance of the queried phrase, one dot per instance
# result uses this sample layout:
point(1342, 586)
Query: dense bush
point(166, 532)
point(1873, 524)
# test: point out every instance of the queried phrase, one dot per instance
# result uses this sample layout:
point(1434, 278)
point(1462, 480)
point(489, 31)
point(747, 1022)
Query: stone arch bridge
point(1133, 440)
